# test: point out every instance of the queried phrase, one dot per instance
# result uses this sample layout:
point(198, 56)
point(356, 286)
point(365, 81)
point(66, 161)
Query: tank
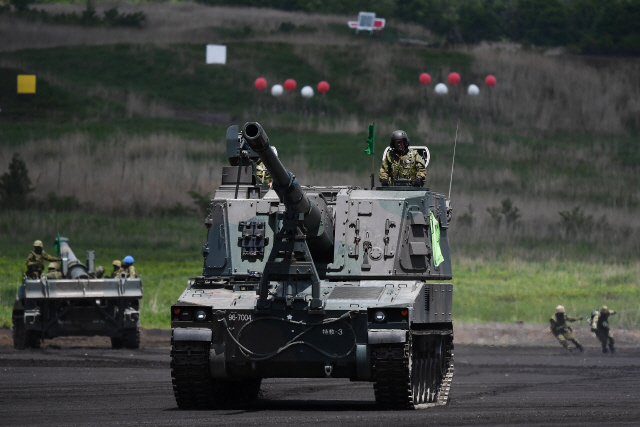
point(315, 282)
point(79, 304)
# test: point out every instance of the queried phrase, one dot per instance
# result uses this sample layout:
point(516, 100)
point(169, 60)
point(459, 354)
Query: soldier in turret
point(561, 330)
point(600, 325)
point(261, 170)
point(117, 268)
point(128, 268)
point(53, 272)
point(400, 162)
point(35, 260)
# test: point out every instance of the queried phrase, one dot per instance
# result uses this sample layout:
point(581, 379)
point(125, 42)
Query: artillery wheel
point(193, 386)
point(23, 339)
point(130, 338)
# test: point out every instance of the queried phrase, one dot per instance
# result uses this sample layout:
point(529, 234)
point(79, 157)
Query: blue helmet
point(128, 259)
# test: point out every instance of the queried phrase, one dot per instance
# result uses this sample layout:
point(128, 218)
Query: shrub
point(15, 185)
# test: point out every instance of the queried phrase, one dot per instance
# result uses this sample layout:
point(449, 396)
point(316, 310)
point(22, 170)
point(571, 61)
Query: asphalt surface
point(89, 385)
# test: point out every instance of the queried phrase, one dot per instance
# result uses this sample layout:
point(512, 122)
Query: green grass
point(509, 289)
point(492, 288)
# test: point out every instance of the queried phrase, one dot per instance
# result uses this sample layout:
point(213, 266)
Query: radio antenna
point(454, 159)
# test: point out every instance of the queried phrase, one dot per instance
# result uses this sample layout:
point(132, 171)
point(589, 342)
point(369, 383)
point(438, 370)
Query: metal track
point(445, 387)
point(192, 385)
point(392, 386)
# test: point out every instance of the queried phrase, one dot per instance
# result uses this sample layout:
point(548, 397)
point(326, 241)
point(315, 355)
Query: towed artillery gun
point(315, 282)
point(79, 304)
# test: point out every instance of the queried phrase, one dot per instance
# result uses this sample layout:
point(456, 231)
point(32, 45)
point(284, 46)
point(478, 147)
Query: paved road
point(493, 386)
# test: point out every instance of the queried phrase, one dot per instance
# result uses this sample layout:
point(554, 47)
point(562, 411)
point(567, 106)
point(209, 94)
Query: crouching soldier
point(561, 330)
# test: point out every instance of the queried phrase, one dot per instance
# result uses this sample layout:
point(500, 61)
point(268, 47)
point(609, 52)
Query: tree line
point(588, 26)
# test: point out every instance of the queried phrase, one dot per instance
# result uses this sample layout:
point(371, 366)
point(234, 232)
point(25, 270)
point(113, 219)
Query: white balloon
point(473, 90)
point(277, 90)
point(307, 92)
point(441, 89)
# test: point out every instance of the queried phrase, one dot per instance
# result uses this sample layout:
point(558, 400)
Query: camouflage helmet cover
point(603, 308)
point(560, 309)
point(53, 266)
point(37, 243)
point(116, 263)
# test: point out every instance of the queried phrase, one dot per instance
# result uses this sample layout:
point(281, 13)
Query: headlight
point(201, 316)
point(379, 316)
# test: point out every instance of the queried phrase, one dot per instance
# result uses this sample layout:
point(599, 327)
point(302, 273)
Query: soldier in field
point(600, 325)
point(561, 330)
point(53, 272)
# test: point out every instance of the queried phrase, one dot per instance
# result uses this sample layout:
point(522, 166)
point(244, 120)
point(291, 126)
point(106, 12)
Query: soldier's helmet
point(128, 259)
point(116, 263)
point(560, 309)
point(400, 142)
point(37, 243)
point(53, 266)
point(99, 271)
point(603, 308)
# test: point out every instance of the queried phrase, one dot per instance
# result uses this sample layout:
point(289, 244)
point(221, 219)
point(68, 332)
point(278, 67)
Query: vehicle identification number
point(239, 317)
point(332, 332)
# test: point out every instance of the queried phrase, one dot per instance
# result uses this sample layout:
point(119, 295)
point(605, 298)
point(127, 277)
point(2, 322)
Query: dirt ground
point(468, 333)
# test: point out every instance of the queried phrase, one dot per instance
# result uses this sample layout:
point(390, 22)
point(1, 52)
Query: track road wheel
point(131, 338)
point(193, 386)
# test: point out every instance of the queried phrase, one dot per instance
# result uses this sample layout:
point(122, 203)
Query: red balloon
point(454, 78)
point(323, 87)
point(425, 78)
point(290, 84)
point(490, 80)
point(260, 83)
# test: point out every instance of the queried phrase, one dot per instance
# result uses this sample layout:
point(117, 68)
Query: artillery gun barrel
point(76, 270)
point(290, 192)
point(284, 182)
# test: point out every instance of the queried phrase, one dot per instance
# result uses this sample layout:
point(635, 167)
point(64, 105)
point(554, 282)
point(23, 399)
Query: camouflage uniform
point(600, 325)
point(403, 166)
point(117, 268)
point(262, 173)
point(561, 330)
point(130, 271)
point(53, 271)
point(35, 262)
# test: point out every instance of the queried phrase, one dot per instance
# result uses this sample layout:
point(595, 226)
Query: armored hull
point(78, 305)
point(348, 285)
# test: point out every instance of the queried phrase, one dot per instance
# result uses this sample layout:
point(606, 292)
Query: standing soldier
point(53, 272)
point(600, 325)
point(117, 268)
point(402, 163)
point(35, 260)
point(561, 330)
point(127, 266)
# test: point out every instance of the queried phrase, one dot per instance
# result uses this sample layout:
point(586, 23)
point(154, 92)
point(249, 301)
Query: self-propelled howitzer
point(315, 281)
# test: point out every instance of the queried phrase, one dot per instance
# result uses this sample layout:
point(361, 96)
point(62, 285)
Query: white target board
point(216, 54)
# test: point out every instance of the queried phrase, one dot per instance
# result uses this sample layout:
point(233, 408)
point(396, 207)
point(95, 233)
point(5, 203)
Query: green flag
point(371, 140)
point(58, 244)
point(435, 240)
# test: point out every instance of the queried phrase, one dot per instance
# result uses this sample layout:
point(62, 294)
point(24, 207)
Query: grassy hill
point(546, 184)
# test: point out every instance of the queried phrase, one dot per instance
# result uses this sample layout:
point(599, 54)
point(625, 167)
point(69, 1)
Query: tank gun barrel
point(75, 269)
